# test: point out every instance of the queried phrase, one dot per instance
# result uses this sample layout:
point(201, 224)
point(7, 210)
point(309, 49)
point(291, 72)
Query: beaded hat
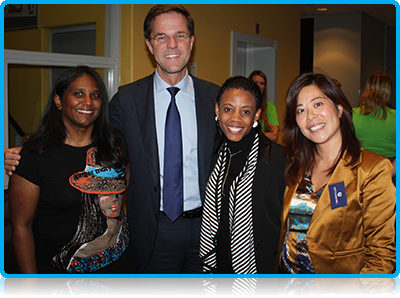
point(98, 179)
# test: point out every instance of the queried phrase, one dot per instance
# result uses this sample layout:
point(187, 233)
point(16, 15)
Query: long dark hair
point(299, 150)
point(52, 132)
point(92, 224)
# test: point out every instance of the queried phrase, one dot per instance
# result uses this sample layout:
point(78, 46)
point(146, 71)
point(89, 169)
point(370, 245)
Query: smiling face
point(260, 82)
point(110, 204)
point(173, 56)
point(318, 117)
point(237, 113)
point(81, 104)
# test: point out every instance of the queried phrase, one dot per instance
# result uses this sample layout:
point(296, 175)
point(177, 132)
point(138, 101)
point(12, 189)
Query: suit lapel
point(205, 106)
point(146, 115)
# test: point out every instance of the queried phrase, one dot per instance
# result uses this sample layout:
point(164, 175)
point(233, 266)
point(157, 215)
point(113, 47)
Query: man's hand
point(11, 159)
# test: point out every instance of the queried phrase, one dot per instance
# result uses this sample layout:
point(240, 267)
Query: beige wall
point(337, 50)
point(349, 47)
point(213, 26)
point(372, 48)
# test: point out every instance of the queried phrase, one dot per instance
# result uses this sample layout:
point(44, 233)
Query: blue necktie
point(173, 165)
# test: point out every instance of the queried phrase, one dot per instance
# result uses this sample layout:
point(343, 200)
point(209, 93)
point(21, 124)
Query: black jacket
point(268, 190)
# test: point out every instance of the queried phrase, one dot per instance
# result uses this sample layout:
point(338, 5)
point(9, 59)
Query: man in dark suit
point(138, 110)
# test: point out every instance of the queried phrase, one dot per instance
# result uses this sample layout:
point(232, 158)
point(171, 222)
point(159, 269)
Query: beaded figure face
point(110, 204)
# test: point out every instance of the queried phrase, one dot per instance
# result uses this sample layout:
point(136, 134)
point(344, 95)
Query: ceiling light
point(322, 9)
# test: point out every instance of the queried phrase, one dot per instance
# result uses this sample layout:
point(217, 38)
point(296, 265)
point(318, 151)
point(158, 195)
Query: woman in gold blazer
point(339, 207)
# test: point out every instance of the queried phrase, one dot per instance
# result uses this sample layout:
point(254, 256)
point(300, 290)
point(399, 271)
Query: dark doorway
point(307, 45)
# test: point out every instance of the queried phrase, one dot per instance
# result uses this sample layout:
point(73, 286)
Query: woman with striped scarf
point(241, 219)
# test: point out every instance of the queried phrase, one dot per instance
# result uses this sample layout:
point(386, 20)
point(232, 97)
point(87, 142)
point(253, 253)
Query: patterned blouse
point(295, 257)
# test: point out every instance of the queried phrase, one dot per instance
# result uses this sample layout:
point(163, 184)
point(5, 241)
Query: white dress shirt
point(185, 101)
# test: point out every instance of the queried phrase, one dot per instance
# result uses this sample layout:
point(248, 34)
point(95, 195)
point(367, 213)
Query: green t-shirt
point(272, 116)
point(375, 134)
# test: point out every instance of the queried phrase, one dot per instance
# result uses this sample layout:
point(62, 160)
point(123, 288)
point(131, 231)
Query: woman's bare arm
point(23, 201)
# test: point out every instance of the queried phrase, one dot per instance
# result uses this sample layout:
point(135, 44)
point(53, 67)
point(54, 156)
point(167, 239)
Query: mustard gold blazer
point(360, 237)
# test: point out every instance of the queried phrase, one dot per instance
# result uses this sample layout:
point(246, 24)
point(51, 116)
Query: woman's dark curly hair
point(242, 83)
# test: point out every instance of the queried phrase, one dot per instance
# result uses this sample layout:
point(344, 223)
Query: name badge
point(337, 193)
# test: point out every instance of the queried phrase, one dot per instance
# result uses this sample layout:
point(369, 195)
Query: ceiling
point(385, 13)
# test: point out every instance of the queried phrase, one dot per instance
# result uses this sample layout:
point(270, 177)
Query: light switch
point(192, 68)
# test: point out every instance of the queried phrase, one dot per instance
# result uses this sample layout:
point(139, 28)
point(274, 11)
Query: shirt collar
point(160, 85)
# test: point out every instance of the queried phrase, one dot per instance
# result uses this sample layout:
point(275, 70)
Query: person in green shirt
point(374, 119)
point(269, 117)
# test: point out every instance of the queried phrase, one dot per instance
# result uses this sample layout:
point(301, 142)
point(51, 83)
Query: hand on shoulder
point(11, 159)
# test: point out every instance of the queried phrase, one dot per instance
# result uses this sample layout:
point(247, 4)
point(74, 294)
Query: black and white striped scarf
point(240, 214)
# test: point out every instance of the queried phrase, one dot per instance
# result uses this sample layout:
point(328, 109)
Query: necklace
point(229, 165)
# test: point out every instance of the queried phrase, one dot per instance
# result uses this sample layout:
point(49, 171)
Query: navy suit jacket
point(132, 113)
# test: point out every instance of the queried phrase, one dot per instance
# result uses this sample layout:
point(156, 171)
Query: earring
point(255, 124)
point(216, 118)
